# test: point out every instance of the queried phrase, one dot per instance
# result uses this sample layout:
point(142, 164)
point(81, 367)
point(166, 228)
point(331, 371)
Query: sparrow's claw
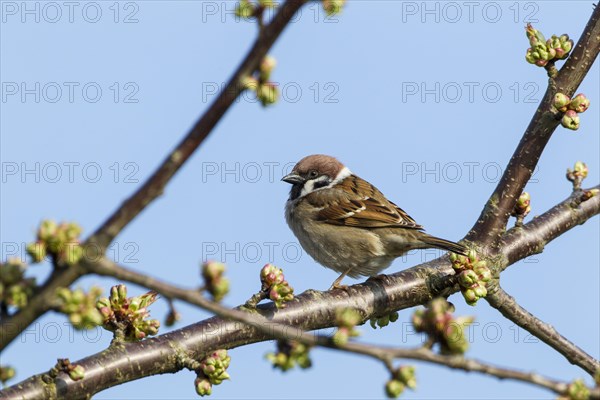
point(338, 286)
point(336, 283)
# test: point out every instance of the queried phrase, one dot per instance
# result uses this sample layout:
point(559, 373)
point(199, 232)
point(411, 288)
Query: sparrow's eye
point(313, 173)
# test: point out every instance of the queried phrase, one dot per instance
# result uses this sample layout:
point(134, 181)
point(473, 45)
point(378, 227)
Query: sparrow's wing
point(359, 204)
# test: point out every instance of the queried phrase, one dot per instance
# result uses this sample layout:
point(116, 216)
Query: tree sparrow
point(346, 224)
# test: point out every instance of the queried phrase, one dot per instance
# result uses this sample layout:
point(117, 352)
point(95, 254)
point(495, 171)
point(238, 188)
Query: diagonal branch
point(40, 302)
point(154, 186)
point(492, 221)
point(509, 307)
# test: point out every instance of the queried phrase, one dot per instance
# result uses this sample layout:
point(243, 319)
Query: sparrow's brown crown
point(320, 163)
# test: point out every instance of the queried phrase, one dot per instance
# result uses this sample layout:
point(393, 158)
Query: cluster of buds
point(577, 390)
point(60, 241)
point(289, 354)
point(333, 7)
point(383, 321)
point(128, 315)
point(473, 274)
point(274, 285)
point(571, 109)
point(215, 283)
point(212, 371)
point(15, 289)
point(577, 174)
point(522, 208)
point(442, 327)
point(346, 319)
point(563, 103)
point(80, 306)
point(266, 91)
point(75, 372)
point(6, 373)
point(403, 377)
point(246, 9)
point(542, 51)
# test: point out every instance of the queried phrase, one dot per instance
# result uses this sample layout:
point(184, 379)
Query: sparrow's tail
point(444, 244)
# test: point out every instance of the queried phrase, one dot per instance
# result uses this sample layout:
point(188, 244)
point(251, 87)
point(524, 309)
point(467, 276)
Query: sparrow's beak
point(293, 178)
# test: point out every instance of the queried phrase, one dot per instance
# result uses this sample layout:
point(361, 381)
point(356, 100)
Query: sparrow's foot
point(338, 286)
point(336, 283)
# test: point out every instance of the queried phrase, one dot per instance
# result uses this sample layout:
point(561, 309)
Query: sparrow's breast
point(359, 252)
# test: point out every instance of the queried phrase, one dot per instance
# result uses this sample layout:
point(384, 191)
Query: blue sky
point(425, 100)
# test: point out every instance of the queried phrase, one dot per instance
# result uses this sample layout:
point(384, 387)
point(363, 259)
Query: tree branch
point(492, 221)
point(522, 242)
point(509, 308)
point(40, 302)
point(471, 365)
point(154, 186)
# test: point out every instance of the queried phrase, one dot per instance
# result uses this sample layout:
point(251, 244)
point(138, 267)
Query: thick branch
point(492, 221)
point(509, 307)
point(154, 186)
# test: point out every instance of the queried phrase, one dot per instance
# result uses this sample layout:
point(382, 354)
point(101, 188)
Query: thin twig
point(509, 307)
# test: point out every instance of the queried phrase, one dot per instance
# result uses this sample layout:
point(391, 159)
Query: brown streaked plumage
point(347, 224)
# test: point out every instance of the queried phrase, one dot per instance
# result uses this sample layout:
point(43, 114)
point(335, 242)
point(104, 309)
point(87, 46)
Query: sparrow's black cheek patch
point(320, 184)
